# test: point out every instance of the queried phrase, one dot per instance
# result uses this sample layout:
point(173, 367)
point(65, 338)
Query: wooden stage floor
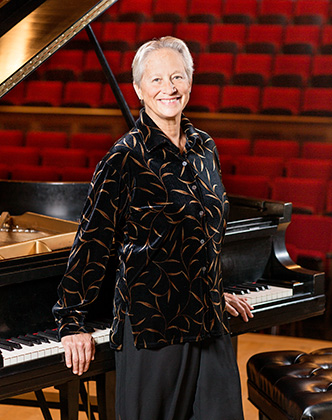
point(248, 344)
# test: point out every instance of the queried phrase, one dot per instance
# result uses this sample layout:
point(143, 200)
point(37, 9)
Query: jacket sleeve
point(100, 220)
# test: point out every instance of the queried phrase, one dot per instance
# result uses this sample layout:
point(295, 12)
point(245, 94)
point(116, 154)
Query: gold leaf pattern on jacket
point(152, 228)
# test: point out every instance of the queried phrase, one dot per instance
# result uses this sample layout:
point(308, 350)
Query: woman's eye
point(157, 79)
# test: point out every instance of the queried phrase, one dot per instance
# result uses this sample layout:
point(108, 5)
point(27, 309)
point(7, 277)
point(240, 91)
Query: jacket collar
point(154, 137)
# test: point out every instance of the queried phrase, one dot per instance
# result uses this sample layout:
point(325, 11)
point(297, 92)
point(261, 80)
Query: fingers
point(236, 306)
point(79, 351)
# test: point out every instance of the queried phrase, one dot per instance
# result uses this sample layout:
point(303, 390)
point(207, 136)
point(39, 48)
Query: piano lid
point(32, 38)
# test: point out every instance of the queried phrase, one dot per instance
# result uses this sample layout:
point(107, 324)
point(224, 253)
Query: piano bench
point(291, 385)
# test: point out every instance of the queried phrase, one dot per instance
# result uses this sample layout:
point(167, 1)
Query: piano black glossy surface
point(254, 249)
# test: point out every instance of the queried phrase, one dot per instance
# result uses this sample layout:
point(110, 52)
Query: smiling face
point(164, 87)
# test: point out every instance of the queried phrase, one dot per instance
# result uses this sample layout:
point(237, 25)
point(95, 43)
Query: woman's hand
point(79, 351)
point(236, 305)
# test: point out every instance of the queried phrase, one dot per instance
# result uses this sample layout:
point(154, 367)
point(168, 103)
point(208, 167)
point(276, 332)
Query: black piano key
point(252, 287)
point(96, 325)
point(10, 343)
point(35, 339)
point(244, 288)
point(6, 346)
point(22, 340)
point(235, 290)
point(50, 335)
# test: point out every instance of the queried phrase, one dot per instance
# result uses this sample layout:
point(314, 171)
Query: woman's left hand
point(236, 305)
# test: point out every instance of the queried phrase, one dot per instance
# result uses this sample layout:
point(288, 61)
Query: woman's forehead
point(163, 54)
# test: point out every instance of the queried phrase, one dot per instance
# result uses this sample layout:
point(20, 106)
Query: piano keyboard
point(257, 293)
point(26, 348)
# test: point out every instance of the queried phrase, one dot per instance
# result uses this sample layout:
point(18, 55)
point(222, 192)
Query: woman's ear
point(138, 91)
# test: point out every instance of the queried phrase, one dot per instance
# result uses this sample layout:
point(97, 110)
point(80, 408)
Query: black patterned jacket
point(160, 216)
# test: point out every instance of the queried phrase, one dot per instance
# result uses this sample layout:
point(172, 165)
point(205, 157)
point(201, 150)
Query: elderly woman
point(157, 210)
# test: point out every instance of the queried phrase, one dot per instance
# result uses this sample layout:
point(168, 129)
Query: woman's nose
point(169, 87)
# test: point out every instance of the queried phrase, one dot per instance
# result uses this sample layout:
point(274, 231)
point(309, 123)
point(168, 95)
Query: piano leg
point(106, 395)
point(69, 399)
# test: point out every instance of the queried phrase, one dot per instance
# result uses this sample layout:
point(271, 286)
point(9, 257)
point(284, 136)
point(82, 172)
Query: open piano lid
point(32, 30)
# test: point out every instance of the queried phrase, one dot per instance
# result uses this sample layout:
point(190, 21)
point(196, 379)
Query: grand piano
point(255, 258)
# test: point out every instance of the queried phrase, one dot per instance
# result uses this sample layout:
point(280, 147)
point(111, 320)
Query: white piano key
point(40, 351)
point(268, 295)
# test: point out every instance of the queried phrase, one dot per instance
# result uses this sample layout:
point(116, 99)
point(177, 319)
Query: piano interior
point(32, 233)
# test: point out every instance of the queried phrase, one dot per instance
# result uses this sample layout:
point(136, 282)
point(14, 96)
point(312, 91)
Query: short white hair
point(138, 65)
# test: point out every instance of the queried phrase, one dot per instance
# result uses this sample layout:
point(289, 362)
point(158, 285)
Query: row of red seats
point(210, 68)
point(56, 139)
point(307, 195)
point(204, 98)
point(227, 147)
point(285, 149)
point(56, 157)
point(309, 241)
point(226, 10)
point(219, 37)
point(277, 166)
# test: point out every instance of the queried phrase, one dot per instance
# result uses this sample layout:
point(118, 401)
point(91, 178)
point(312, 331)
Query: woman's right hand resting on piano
point(235, 306)
point(79, 351)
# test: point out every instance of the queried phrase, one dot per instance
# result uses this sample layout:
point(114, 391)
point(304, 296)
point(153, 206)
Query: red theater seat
point(321, 74)
point(317, 102)
point(55, 157)
point(264, 39)
point(317, 150)
point(280, 100)
point(276, 148)
point(291, 70)
point(214, 68)
point(239, 11)
point(33, 173)
point(150, 30)
point(227, 38)
point(240, 99)
point(309, 168)
point(4, 171)
point(92, 70)
point(259, 165)
point(199, 12)
point(130, 11)
point(276, 11)
point(328, 209)
point(43, 93)
point(11, 138)
point(326, 40)
point(11, 155)
point(247, 185)
point(311, 12)
point(130, 96)
point(91, 141)
point(204, 98)
point(170, 11)
point(42, 139)
point(301, 39)
point(120, 36)
point(311, 235)
point(82, 94)
point(94, 157)
point(232, 147)
point(196, 35)
point(65, 65)
point(307, 195)
point(252, 69)
point(15, 96)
